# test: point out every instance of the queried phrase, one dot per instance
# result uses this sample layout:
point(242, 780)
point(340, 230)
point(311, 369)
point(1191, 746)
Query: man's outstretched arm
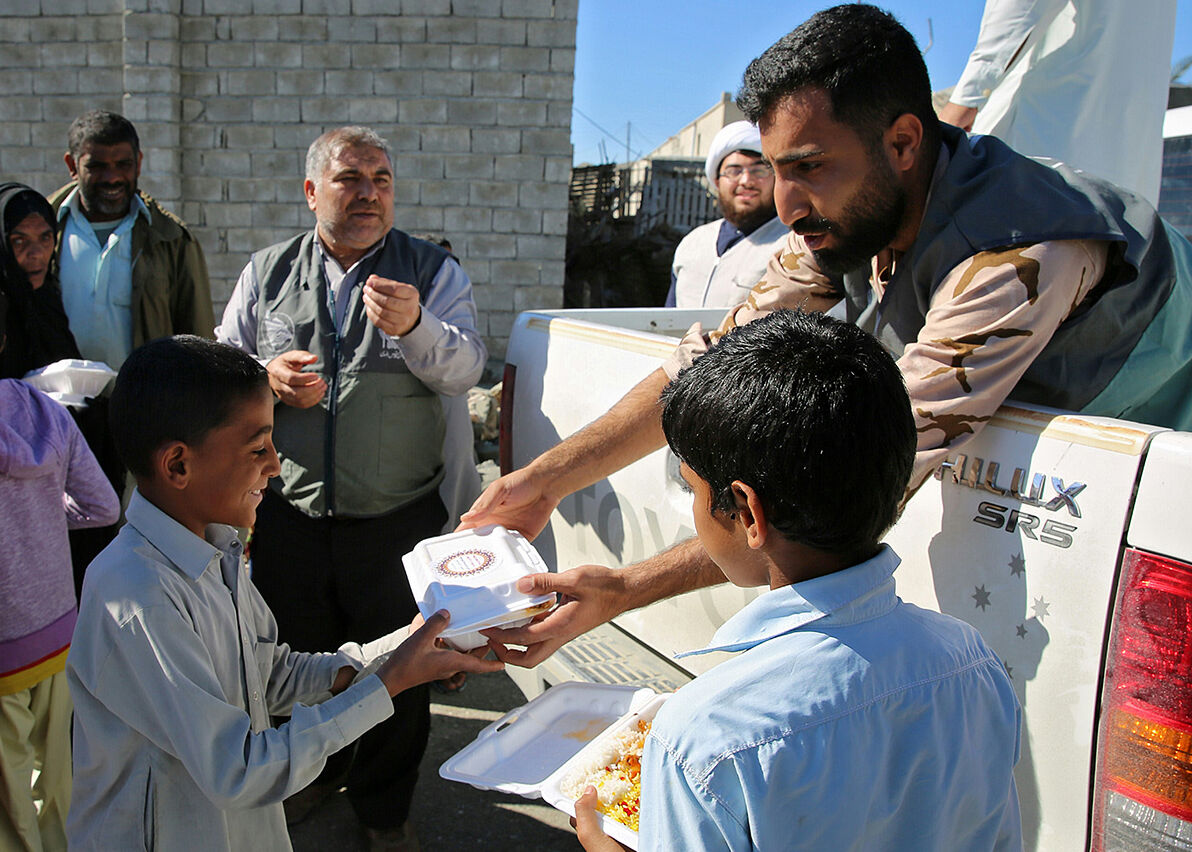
point(523, 500)
point(591, 595)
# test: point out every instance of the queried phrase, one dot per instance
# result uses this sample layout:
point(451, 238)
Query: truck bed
point(1020, 535)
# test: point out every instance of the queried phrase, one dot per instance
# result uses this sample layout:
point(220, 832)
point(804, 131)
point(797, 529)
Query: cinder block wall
point(474, 95)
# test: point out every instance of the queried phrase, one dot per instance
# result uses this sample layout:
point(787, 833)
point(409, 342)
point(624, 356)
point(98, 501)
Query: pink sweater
point(49, 482)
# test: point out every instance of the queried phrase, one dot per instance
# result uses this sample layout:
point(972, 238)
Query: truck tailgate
point(1021, 538)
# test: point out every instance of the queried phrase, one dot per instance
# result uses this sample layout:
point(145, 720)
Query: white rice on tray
point(615, 771)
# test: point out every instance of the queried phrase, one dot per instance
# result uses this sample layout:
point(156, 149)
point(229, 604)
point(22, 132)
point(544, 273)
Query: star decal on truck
point(1041, 608)
point(981, 597)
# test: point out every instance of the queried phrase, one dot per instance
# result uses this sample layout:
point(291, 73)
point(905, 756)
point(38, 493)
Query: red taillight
point(505, 441)
point(1143, 794)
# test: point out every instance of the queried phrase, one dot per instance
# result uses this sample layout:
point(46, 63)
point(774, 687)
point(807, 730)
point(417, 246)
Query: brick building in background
point(474, 96)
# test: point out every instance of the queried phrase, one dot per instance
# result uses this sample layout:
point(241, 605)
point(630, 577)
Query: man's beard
point(869, 223)
point(95, 204)
point(748, 221)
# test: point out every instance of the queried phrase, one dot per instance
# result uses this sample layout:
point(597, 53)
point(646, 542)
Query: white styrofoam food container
point(71, 381)
point(595, 754)
point(535, 749)
point(473, 574)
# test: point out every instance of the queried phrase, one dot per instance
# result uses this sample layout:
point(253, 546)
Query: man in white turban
point(717, 264)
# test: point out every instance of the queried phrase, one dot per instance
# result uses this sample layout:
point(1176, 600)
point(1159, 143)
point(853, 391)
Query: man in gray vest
point(361, 327)
point(988, 275)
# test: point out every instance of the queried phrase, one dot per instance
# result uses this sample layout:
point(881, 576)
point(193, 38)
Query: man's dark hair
point(865, 60)
point(100, 127)
point(177, 389)
point(812, 414)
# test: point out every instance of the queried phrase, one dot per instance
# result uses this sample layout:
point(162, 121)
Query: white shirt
point(174, 672)
point(1080, 81)
point(704, 279)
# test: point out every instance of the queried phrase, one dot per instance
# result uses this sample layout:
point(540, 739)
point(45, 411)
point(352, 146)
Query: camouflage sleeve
point(792, 281)
point(987, 321)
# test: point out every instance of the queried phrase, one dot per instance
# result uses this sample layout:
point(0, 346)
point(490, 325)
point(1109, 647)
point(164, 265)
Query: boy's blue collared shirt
point(96, 281)
point(861, 592)
point(847, 719)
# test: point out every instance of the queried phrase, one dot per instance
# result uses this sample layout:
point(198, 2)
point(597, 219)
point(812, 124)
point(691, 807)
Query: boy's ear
point(751, 515)
point(171, 464)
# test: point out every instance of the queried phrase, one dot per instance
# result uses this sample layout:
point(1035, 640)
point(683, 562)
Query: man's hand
point(392, 306)
point(586, 823)
point(421, 659)
point(524, 499)
point(958, 116)
point(589, 596)
point(292, 386)
point(516, 501)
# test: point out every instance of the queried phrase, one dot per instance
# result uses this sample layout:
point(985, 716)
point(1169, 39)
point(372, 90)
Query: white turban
point(738, 136)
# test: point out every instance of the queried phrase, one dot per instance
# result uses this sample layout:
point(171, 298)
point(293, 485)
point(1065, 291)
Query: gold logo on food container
point(466, 562)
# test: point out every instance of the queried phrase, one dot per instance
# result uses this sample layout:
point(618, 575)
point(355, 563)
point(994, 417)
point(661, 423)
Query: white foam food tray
point(534, 749)
point(473, 575)
point(564, 785)
point(71, 379)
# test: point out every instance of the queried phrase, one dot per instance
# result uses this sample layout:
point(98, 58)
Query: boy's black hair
point(865, 60)
point(100, 127)
point(177, 389)
point(811, 413)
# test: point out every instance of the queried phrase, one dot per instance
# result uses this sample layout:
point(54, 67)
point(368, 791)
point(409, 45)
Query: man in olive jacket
point(130, 270)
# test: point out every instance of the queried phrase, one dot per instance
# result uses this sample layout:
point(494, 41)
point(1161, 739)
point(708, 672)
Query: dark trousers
point(335, 580)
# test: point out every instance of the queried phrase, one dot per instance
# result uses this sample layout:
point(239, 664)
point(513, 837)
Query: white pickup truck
point(1066, 540)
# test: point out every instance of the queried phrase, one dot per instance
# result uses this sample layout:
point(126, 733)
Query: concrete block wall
point(473, 95)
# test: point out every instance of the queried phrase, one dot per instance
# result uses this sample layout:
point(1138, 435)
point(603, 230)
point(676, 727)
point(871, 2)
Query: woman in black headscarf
point(37, 331)
point(38, 334)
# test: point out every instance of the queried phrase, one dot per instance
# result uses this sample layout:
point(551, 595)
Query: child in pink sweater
point(49, 482)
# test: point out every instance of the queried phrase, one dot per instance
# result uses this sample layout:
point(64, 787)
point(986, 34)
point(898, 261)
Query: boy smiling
point(176, 666)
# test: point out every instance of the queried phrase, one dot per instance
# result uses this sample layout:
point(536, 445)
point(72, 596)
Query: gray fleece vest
point(374, 442)
point(991, 197)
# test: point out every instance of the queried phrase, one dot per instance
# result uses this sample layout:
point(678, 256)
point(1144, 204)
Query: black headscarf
point(37, 331)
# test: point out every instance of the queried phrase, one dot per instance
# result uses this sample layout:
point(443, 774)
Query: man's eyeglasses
point(758, 171)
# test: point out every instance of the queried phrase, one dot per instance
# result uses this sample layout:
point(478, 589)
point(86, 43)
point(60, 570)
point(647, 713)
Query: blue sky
point(657, 64)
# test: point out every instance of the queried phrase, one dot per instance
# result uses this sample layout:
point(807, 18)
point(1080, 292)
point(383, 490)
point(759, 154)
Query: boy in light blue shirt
point(846, 719)
point(176, 666)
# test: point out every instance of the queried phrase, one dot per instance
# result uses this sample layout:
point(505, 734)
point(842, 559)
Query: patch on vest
point(277, 334)
point(390, 351)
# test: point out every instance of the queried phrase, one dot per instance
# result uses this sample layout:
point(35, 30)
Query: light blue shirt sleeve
point(238, 326)
point(679, 814)
point(445, 351)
